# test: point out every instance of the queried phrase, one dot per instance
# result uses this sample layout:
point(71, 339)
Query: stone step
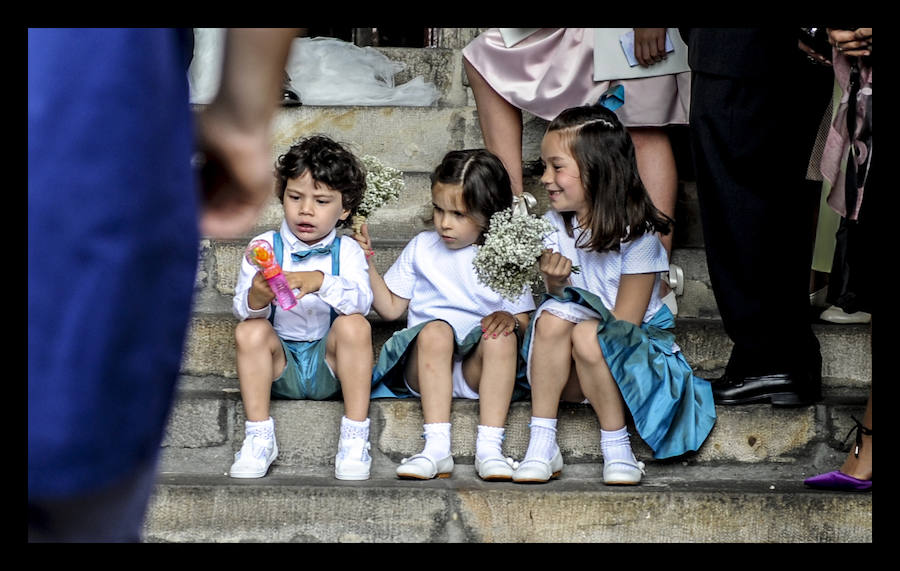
point(206, 428)
point(675, 505)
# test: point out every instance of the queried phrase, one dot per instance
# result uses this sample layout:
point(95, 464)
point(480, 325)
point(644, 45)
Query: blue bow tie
point(298, 256)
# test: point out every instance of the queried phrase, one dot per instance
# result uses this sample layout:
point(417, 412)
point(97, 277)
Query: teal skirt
point(388, 375)
point(673, 410)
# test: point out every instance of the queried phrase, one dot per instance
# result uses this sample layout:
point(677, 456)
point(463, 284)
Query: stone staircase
point(744, 485)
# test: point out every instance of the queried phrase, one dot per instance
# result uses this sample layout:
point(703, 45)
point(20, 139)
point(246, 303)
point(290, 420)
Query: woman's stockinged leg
point(501, 126)
point(349, 354)
point(260, 360)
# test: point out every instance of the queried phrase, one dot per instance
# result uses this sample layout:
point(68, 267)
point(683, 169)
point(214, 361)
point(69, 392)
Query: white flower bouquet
point(507, 261)
point(383, 184)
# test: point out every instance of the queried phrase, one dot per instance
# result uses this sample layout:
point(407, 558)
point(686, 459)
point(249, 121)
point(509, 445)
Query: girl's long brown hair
point(620, 208)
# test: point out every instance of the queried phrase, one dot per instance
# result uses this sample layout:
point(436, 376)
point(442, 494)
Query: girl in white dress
point(603, 334)
point(462, 338)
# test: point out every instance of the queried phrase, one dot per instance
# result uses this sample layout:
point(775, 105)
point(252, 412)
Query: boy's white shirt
point(441, 284)
point(309, 320)
point(600, 273)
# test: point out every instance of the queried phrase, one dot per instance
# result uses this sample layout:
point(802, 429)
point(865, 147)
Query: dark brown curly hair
point(328, 162)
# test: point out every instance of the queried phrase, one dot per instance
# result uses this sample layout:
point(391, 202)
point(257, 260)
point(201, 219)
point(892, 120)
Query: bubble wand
point(259, 253)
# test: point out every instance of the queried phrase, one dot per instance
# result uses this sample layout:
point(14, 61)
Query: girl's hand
point(306, 282)
point(365, 241)
point(499, 322)
point(649, 45)
point(260, 294)
point(851, 43)
point(556, 269)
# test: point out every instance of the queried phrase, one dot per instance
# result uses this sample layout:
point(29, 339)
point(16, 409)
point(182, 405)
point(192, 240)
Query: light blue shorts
point(307, 374)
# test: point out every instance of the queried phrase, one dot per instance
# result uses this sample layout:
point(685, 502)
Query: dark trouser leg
point(750, 153)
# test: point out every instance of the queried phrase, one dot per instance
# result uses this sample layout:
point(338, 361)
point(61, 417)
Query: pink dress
point(553, 69)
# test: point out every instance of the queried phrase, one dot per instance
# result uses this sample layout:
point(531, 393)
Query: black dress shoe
point(778, 389)
point(289, 98)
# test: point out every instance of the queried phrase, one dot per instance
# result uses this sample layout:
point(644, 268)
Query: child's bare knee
point(499, 346)
point(252, 333)
point(585, 346)
point(352, 329)
point(435, 335)
point(549, 326)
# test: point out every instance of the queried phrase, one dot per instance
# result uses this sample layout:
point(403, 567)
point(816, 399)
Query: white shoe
point(622, 472)
point(495, 468)
point(536, 470)
point(254, 458)
point(675, 278)
point(421, 467)
point(352, 461)
point(835, 314)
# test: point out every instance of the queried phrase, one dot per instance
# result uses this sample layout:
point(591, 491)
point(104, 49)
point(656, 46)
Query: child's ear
point(345, 214)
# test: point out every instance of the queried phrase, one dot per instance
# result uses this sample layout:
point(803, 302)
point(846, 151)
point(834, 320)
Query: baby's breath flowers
point(383, 184)
point(507, 261)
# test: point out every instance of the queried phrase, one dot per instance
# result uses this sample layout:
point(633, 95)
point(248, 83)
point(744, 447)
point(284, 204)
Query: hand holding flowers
point(507, 261)
point(383, 184)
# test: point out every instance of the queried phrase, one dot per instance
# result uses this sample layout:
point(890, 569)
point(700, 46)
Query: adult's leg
point(756, 221)
point(658, 171)
point(501, 126)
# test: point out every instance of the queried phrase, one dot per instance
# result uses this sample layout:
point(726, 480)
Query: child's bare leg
point(348, 352)
point(551, 362)
point(597, 382)
point(501, 126)
point(260, 360)
point(429, 371)
point(491, 371)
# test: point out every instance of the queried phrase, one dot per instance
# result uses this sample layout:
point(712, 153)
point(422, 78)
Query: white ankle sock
point(616, 445)
point(437, 440)
point(351, 429)
point(262, 428)
point(542, 442)
point(489, 443)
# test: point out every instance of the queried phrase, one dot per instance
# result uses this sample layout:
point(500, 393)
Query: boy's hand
point(556, 269)
point(497, 323)
point(306, 282)
point(260, 294)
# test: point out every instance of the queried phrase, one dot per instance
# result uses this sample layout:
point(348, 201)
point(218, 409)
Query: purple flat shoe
point(838, 481)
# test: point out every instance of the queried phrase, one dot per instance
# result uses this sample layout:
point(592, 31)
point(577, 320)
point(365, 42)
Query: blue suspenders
point(335, 265)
